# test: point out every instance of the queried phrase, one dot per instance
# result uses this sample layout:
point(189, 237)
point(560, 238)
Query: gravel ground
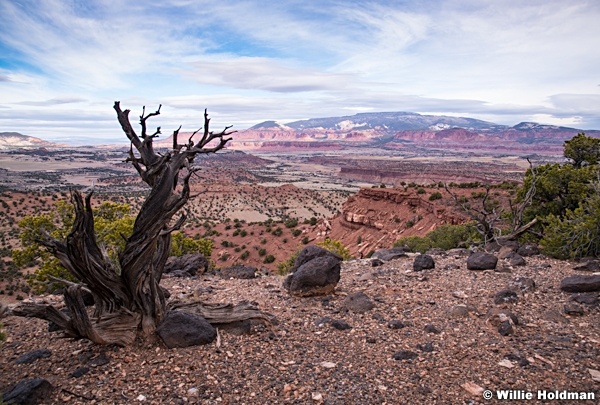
point(432, 337)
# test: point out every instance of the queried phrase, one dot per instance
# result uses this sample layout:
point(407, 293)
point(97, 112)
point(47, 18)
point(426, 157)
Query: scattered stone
point(473, 389)
point(459, 311)
point(316, 272)
point(376, 262)
point(427, 347)
point(580, 283)
point(423, 262)
point(496, 316)
point(28, 392)
point(322, 321)
point(358, 303)
point(588, 265)
point(528, 250)
point(595, 374)
point(395, 324)
point(340, 325)
point(522, 284)
point(505, 297)
point(100, 360)
point(378, 317)
point(327, 364)
point(573, 309)
point(506, 252)
point(80, 371)
point(32, 356)
point(432, 329)
point(481, 261)
point(591, 299)
point(183, 329)
point(405, 355)
point(506, 328)
point(517, 260)
point(238, 272)
point(192, 264)
point(459, 294)
point(371, 340)
point(317, 396)
point(503, 269)
point(390, 254)
point(506, 363)
point(459, 252)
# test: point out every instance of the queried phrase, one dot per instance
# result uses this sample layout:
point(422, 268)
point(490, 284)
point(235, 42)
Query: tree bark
point(127, 295)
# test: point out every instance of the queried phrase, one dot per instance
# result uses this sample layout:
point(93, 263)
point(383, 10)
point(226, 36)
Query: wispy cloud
point(247, 61)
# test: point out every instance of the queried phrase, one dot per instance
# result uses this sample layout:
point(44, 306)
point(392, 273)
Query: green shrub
point(421, 190)
point(284, 267)
point(262, 252)
point(291, 223)
point(435, 196)
point(336, 247)
point(269, 259)
point(414, 243)
point(297, 232)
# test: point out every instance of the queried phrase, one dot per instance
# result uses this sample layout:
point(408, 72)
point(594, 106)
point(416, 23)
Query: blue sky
point(64, 62)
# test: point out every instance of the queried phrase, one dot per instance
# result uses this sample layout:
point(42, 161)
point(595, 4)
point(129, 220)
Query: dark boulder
point(482, 261)
point(183, 329)
point(28, 392)
point(423, 262)
point(315, 272)
point(192, 264)
point(580, 283)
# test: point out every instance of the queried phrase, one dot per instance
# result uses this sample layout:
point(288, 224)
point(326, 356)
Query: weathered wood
point(129, 298)
point(225, 313)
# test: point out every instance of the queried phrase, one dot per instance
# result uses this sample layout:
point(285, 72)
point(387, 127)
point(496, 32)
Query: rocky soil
point(430, 337)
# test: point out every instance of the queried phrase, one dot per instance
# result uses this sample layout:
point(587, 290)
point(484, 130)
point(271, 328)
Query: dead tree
point(127, 295)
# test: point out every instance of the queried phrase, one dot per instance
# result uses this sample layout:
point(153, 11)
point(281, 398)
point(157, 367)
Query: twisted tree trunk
point(127, 294)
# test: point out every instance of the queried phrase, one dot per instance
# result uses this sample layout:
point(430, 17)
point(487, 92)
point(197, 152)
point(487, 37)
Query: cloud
point(53, 101)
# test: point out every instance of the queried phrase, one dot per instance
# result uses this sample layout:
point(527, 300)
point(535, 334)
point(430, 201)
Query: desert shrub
point(576, 234)
point(183, 245)
point(421, 190)
point(245, 255)
point(414, 243)
point(269, 259)
point(452, 236)
point(113, 224)
point(291, 223)
point(262, 252)
point(297, 232)
point(410, 223)
point(336, 247)
point(284, 267)
point(277, 231)
point(305, 240)
point(445, 237)
point(435, 196)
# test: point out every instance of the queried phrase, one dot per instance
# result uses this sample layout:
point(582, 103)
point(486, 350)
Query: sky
point(63, 63)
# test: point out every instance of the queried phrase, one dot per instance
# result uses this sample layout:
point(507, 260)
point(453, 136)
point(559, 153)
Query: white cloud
point(506, 61)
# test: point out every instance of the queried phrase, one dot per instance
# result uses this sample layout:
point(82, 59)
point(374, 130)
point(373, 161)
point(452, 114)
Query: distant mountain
point(393, 121)
point(15, 140)
point(269, 125)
